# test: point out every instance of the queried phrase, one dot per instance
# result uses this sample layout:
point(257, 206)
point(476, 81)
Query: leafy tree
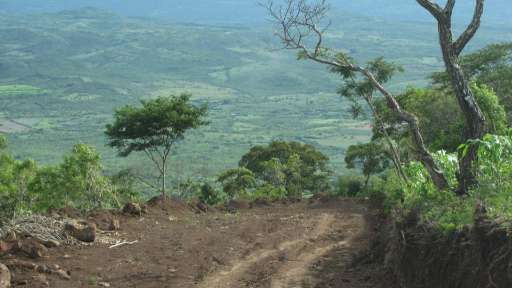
point(237, 180)
point(154, 129)
point(371, 157)
point(288, 164)
point(209, 195)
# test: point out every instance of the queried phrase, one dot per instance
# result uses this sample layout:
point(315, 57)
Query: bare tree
point(475, 122)
point(301, 26)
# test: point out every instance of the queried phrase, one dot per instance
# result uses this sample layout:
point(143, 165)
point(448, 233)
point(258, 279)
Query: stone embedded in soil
point(85, 232)
point(5, 276)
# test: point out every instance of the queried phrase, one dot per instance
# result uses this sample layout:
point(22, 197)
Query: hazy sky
point(248, 11)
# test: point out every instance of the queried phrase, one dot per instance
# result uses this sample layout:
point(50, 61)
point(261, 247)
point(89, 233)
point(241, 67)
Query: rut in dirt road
point(291, 260)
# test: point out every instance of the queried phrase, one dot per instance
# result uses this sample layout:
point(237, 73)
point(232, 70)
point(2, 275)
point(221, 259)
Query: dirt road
point(283, 246)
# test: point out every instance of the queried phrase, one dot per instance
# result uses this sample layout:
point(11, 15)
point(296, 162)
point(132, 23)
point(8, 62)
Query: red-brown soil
point(278, 246)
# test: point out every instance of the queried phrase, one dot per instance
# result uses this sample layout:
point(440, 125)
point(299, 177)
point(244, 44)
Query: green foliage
point(154, 128)
point(296, 166)
point(371, 158)
point(269, 192)
point(444, 208)
point(359, 87)
point(349, 186)
point(210, 195)
point(441, 121)
point(491, 66)
point(236, 181)
point(124, 182)
point(77, 182)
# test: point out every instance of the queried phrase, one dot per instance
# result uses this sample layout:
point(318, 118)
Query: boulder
point(82, 231)
point(5, 276)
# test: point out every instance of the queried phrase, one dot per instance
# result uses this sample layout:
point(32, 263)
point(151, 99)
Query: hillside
point(62, 74)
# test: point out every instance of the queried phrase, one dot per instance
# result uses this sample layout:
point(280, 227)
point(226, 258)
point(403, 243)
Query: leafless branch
point(470, 31)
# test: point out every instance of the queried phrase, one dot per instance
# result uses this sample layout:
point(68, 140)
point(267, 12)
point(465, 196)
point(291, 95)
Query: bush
point(210, 195)
point(444, 208)
point(77, 182)
point(268, 192)
point(349, 186)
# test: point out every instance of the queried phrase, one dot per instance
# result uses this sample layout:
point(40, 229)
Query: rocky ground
point(306, 244)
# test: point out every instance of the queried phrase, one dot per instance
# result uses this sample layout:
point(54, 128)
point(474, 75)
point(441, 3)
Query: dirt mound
point(167, 204)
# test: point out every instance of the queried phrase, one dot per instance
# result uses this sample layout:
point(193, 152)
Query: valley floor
point(306, 245)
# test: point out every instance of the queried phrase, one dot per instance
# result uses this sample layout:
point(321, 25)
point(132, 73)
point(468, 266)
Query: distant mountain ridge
point(498, 12)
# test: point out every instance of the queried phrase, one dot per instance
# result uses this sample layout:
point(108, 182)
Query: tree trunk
point(164, 172)
point(424, 156)
point(475, 122)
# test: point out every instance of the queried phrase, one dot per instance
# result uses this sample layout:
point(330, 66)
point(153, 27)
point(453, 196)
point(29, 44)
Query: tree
point(355, 88)
point(237, 180)
point(300, 24)
point(289, 164)
point(371, 157)
point(154, 129)
point(474, 118)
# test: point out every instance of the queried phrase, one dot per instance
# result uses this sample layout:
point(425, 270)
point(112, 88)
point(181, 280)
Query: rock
point(33, 248)
point(83, 231)
point(104, 284)
point(5, 276)
point(132, 209)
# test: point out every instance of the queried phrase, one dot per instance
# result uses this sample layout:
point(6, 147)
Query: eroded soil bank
point(422, 256)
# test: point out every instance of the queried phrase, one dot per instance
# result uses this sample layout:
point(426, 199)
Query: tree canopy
point(293, 160)
point(154, 128)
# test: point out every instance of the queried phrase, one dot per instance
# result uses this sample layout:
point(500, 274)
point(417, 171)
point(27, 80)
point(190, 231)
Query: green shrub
point(210, 195)
point(268, 192)
point(350, 186)
point(444, 208)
